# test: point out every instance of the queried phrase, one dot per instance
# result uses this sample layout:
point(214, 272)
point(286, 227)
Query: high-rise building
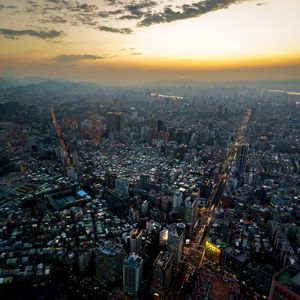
point(71, 173)
point(145, 207)
point(110, 180)
point(177, 199)
point(194, 139)
point(122, 186)
point(262, 143)
point(135, 240)
point(144, 181)
point(241, 157)
point(263, 279)
point(163, 236)
point(84, 260)
point(160, 125)
point(225, 112)
point(132, 214)
point(286, 284)
point(191, 211)
point(162, 275)
point(176, 240)
point(109, 259)
point(146, 134)
point(220, 111)
point(132, 274)
point(165, 203)
point(114, 124)
point(63, 157)
point(75, 159)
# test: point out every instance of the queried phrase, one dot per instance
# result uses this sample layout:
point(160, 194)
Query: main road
point(195, 252)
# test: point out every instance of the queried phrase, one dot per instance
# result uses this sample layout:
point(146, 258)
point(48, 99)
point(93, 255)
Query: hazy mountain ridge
point(54, 87)
point(40, 85)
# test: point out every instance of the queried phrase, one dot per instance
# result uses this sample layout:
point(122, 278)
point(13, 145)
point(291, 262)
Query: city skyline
point(135, 42)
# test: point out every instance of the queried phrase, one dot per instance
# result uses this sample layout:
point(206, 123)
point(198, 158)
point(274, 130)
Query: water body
point(166, 96)
point(281, 91)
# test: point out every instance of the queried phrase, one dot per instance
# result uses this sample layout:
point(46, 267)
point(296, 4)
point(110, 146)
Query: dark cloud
point(136, 53)
point(59, 1)
point(75, 58)
point(129, 17)
point(44, 34)
point(115, 30)
point(2, 6)
point(54, 20)
point(83, 7)
point(186, 11)
point(86, 19)
point(142, 13)
point(106, 14)
point(137, 10)
point(32, 6)
point(114, 2)
point(260, 4)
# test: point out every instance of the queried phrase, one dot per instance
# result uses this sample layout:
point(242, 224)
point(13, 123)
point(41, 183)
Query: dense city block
point(167, 193)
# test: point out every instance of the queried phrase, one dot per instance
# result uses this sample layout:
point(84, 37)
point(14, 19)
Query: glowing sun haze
point(118, 41)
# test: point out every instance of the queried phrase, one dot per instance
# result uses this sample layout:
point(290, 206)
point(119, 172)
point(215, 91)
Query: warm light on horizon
point(246, 35)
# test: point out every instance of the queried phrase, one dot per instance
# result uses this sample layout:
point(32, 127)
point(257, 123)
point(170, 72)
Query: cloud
point(136, 9)
point(136, 13)
point(58, 1)
point(106, 14)
point(136, 53)
point(126, 49)
point(86, 19)
point(83, 8)
point(2, 6)
point(124, 30)
point(54, 20)
point(43, 34)
point(129, 17)
point(260, 4)
point(186, 11)
point(75, 58)
point(32, 7)
point(114, 2)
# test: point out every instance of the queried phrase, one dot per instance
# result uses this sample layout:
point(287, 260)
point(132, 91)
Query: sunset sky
point(122, 41)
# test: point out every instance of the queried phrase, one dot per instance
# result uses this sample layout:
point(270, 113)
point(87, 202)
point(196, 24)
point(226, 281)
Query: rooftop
point(163, 259)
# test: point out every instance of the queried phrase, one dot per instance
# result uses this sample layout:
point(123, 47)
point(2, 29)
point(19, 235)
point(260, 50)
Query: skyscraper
point(135, 240)
point(176, 240)
point(165, 203)
point(177, 199)
point(241, 157)
point(162, 274)
point(144, 181)
point(132, 274)
point(191, 211)
point(114, 124)
point(160, 125)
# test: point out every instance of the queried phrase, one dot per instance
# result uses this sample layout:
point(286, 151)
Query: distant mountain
point(55, 87)
point(6, 82)
point(40, 85)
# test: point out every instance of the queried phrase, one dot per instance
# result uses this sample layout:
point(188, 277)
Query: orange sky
point(139, 41)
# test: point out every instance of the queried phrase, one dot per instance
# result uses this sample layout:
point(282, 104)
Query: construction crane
point(60, 138)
